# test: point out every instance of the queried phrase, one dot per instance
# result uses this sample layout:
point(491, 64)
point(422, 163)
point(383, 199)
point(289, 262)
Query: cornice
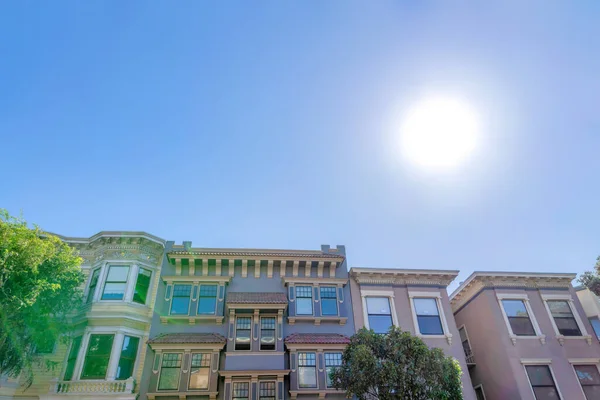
point(389, 276)
point(314, 281)
point(480, 280)
point(253, 254)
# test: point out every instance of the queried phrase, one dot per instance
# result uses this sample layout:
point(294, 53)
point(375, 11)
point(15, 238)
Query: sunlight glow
point(439, 133)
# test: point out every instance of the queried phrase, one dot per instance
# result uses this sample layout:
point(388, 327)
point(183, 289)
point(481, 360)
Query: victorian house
point(248, 324)
point(105, 355)
point(529, 336)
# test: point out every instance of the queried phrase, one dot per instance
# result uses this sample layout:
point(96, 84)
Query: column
point(115, 354)
point(307, 269)
point(270, 269)
point(131, 281)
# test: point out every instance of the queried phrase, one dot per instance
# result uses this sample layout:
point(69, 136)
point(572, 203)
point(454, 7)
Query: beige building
point(528, 335)
point(414, 300)
point(106, 355)
point(591, 306)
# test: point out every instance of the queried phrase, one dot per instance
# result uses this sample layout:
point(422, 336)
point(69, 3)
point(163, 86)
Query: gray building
point(249, 324)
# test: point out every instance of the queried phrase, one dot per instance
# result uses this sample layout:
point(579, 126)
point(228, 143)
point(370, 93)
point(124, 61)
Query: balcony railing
point(95, 387)
point(470, 358)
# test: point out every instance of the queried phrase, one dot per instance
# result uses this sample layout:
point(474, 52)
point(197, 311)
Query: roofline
point(121, 234)
point(404, 271)
point(477, 274)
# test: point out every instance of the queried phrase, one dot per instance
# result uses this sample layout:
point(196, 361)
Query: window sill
point(562, 338)
point(182, 394)
point(218, 319)
point(321, 393)
point(514, 338)
point(317, 320)
point(448, 337)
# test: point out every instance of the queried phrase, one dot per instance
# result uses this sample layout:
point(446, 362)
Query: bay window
point(92, 285)
point(97, 357)
point(72, 358)
point(129, 351)
point(116, 282)
point(142, 285)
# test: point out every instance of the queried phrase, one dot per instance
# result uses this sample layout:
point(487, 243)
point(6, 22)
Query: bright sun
point(439, 133)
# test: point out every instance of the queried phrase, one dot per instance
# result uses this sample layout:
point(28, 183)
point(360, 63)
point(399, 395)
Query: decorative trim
point(403, 276)
point(536, 361)
point(313, 281)
point(170, 279)
point(316, 347)
point(317, 320)
point(218, 319)
point(584, 360)
point(254, 373)
point(186, 347)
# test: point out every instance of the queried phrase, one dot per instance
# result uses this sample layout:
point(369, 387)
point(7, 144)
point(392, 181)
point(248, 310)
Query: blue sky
point(272, 124)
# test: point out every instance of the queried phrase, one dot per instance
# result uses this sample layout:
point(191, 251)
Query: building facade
point(414, 300)
point(591, 306)
point(241, 324)
point(529, 337)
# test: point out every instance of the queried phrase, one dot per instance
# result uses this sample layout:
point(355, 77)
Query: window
point(93, 284)
point(542, 382)
point(266, 391)
point(379, 314)
point(462, 332)
point(207, 299)
point(127, 359)
point(243, 328)
point(596, 325)
point(479, 393)
point(328, 300)
point(97, 357)
point(240, 391)
point(169, 372)
point(267, 333)
point(563, 317)
point(116, 280)
point(589, 378)
point(428, 316)
point(142, 285)
point(518, 317)
point(200, 371)
point(332, 362)
point(307, 370)
point(72, 358)
point(180, 304)
point(304, 300)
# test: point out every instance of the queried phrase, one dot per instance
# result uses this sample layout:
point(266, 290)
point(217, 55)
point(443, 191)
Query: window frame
point(389, 294)
point(135, 360)
point(525, 298)
point(341, 353)
point(250, 317)
point(538, 363)
point(216, 297)
point(274, 388)
point(569, 300)
point(597, 333)
point(437, 297)
point(249, 390)
point(158, 389)
point(298, 366)
point(209, 367)
point(140, 268)
point(335, 299)
point(260, 332)
point(173, 297)
point(89, 299)
point(480, 386)
point(105, 281)
point(312, 299)
point(73, 372)
point(584, 362)
point(85, 356)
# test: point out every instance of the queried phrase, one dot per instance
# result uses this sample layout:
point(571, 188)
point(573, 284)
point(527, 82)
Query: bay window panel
point(267, 333)
point(127, 359)
point(170, 371)
point(304, 301)
point(97, 357)
point(200, 371)
point(563, 318)
point(180, 301)
point(72, 358)
point(518, 317)
point(207, 299)
point(116, 282)
point(243, 329)
point(428, 316)
point(328, 300)
point(93, 284)
point(307, 370)
point(142, 285)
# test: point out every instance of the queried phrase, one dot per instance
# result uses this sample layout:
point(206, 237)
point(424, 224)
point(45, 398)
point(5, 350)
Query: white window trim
point(438, 301)
point(482, 390)
point(337, 307)
point(512, 296)
point(251, 332)
point(548, 363)
point(160, 372)
point(173, 297)
point(583, 361)
point(566, 297)
point(378, 293)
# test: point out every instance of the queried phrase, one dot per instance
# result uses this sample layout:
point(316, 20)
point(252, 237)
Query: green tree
point(591, 279)
point(396, 366)
point(40, 279)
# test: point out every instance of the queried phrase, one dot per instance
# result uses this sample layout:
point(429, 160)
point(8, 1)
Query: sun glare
point(439, 133)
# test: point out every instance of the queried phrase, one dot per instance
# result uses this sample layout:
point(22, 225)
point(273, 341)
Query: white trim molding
point(523, 297)
point(569, 299)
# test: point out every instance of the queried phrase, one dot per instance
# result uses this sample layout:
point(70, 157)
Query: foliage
point(39, 286)
point(396, 366)
point(591, 280)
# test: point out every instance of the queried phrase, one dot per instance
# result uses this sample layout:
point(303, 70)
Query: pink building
point(528, 335)
point(414, 300)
